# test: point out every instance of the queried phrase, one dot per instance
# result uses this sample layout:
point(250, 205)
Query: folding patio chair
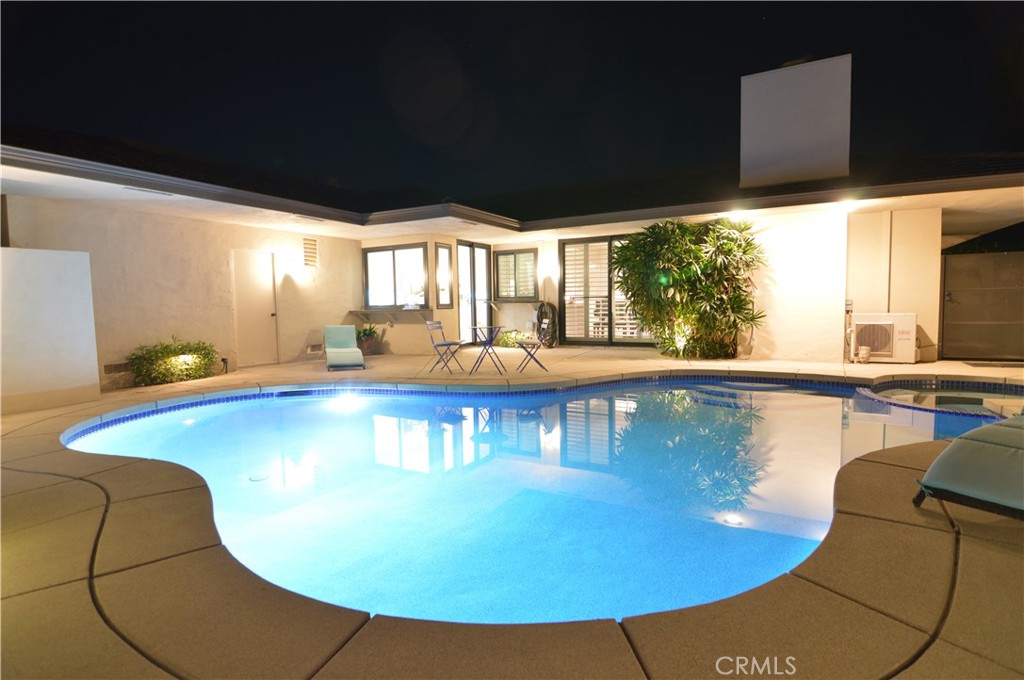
point(531, 347)
point(445, 349)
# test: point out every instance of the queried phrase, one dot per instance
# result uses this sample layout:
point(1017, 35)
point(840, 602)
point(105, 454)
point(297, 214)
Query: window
point(396, 276)
point(443, 267)
point(516, 275)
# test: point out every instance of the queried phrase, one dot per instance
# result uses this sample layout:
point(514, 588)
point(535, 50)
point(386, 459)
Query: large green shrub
point(689, 284)
point(173, 361)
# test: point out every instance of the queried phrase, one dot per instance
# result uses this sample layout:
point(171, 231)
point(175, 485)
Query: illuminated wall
point(49, 341)
point(154, 276)
point(803, 287)
point(894, 265)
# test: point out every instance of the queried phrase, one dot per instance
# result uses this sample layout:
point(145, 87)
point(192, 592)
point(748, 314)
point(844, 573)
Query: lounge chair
point(983, 469)
point(340, 349)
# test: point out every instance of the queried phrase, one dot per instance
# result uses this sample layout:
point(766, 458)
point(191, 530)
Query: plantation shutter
point(585, 298)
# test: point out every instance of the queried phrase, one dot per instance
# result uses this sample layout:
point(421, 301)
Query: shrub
point(510, 337)
point(690, 285)
point(172, 362)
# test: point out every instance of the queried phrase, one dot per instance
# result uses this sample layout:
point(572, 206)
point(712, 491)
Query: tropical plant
point(689, 284)
point(174, 361)
point(367, 332)
point(685, 448)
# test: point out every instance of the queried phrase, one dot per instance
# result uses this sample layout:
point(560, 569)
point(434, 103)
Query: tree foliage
point(689, 284)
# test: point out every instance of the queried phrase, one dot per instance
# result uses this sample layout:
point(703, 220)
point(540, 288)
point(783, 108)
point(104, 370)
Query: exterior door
point(983, 306)
point(255, 307)
point(593, 309)
point(474, 267)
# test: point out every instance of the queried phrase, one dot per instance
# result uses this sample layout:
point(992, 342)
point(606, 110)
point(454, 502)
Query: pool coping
point(194, 631)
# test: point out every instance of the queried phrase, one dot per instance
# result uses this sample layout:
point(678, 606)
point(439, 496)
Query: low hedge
point(174, 361)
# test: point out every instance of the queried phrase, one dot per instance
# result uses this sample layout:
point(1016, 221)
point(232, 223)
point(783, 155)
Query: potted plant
point(367, 339)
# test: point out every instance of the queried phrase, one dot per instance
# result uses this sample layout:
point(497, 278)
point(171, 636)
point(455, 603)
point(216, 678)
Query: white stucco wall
point(803, 287)
point(48, 343)
point(523, 315)
point(895, 265)
point(154, 276)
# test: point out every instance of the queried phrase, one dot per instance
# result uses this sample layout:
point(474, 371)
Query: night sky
point(476, 99)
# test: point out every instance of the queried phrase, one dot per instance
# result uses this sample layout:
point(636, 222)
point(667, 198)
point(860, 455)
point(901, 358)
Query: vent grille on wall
point(310, 252)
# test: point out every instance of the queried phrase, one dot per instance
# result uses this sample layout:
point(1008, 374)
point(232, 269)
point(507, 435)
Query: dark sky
point(474, 99)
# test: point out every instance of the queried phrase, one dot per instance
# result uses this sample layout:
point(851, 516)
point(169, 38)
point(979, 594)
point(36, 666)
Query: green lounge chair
point(983, 469)
point(340, 349)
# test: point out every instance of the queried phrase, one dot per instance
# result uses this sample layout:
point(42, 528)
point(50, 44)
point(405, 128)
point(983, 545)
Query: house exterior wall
point(48, 337)
point(522, 316)
point(895, 264)
point(154, 276)
point(802, 288)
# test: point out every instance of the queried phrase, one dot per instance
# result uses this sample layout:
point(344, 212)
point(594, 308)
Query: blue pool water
point(599, 503)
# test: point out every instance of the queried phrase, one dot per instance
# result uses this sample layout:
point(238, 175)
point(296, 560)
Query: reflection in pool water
point(602, 503)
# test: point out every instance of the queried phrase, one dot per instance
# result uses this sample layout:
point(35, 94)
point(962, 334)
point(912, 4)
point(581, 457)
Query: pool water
point(599, 503)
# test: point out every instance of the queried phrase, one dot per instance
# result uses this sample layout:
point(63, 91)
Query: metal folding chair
point(445, 349)
point(531, 347)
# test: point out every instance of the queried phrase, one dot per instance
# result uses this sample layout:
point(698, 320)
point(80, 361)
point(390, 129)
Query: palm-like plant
point(689, 284)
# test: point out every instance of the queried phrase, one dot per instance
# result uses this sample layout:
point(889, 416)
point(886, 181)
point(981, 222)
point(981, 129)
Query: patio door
point(255, 307)
point(474, 277)
point(593, 309)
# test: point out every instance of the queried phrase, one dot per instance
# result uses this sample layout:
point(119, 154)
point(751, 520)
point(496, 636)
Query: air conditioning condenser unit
point(891, 337)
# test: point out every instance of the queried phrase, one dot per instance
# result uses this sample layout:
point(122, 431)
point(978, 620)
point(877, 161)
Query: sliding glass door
point(593, 310)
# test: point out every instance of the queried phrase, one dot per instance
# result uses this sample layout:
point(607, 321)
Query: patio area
point(112, 567)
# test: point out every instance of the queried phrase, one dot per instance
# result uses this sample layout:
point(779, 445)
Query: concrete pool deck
point(112, 566)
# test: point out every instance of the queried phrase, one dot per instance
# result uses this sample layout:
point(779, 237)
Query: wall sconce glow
point(737, 215)
point(346, 403)
point(848, 206)
point(733, 520)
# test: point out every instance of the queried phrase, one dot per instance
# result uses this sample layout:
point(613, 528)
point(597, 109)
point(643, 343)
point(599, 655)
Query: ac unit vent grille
point(310, 252)
point(877, 336)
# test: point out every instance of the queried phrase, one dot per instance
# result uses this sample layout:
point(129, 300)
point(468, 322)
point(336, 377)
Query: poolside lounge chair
point(983, 469)
point(340, 349)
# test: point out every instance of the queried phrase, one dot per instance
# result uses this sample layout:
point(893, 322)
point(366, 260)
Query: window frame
point(496, 294)
point(394, 283)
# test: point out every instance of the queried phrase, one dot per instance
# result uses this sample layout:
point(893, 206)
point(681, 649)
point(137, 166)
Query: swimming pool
point(604, 502)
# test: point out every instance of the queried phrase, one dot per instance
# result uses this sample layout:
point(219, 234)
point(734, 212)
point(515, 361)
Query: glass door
point(474, 273)
point(593, 310)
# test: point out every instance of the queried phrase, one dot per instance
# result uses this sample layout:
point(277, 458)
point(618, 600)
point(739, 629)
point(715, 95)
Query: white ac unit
point(892, 337)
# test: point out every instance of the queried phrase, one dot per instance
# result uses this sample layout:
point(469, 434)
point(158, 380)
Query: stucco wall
point(48, 337)
point(154, 276)
point(523, 315)
point(894, 265)
point(803, 287)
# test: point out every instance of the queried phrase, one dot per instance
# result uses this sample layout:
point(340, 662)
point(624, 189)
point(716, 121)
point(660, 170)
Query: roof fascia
point(440, 211)
point(941, 186)
point(138, 179)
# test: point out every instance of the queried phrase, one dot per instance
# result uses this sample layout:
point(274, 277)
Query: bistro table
point(485, 336)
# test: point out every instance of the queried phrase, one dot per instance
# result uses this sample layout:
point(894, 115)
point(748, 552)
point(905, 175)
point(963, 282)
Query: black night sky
point(473, 100)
